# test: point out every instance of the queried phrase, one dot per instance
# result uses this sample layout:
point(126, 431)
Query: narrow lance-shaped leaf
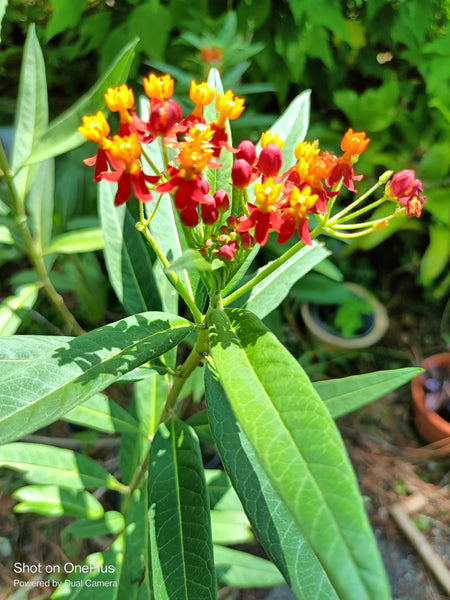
point(16, 351)
point(344, 395)
point(52, 384)
point(271, 291)
point(268, 514)
point(180, 531)
point(44, 464)
point(299, 449)
point(243, 570)
point(62, 134)
point(126, 255)
point(13, 308)
point(32, 111)
point(102, 414)
point(54, 501)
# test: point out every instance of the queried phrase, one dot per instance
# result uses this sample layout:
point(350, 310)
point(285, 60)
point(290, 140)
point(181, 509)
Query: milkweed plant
point(184, 212)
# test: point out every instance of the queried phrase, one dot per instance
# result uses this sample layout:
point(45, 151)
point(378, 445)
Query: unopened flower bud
point(189, 216)
point(247, 151)
point(247, 241)
point(210, 214)
point(270, 160)
point(241, 173)
point(227, 251)
point(384, 178)
point(163, 116)
point(221, 199)
point(380, 225)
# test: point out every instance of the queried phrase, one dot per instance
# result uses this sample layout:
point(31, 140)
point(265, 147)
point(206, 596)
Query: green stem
point(344, 211)
point(33, 251)
point(151, 164)
point(140, 225)
point(195, 357)
point(269, 269)
point(359, 212)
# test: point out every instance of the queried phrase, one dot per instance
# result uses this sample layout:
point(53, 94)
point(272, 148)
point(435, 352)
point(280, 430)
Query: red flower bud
point(247, 152)
point(164, 115)
point(270, 160)
point(210, 214)
point(247, 241)
point(241, 173)
point(189, 215)
point(221, 199)
point(227, 251)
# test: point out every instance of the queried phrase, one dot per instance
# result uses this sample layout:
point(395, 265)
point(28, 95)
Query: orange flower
point(267, 137)
point(95, 128)
point(228, 106)
point(211, 54)
point(201, 95)
point(354, 143)
point(158, 87)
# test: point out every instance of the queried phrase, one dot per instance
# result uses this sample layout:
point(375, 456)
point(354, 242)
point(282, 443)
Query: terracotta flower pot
point(431, 426)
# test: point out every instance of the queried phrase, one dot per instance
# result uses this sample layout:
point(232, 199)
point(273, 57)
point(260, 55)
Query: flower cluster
point(266, 197)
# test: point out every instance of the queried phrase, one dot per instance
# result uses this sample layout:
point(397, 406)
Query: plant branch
point(34, 252)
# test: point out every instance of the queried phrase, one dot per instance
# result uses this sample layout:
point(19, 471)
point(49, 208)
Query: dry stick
point(429, 556)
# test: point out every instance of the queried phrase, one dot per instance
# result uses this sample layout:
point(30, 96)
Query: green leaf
point(136, 556)
point(270, 292)
point(100, 570)
point(437, 254)
point(13, 308)
point(3, 5)
point(344, 395)
point(269, 516)
point(32, 111)
point(44, 464)
point(299, 450)
point(55, 382)
point(111, 523)
point(243, 570)
point(74, 242)
point(219, 179)
point(102, 414)
point(230, 527)
point(192, 260)
point(292, 126)
point(180, 531)
point(39, 202)
point(200, 424)
point(126, 255)
point(65, 13)
point(55, 501)
point(222, 495)
point(151, 22)
point(18, 350)
point(62, 134)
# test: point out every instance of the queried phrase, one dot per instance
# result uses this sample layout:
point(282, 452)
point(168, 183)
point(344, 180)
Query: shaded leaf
point(73, 242)
point(126, 255)
point(110, 523)
point(55, 382)
point(102, 414)
point(62, 134)
point(44, 464)
point(55, 501)
point(13, 308)
point(243, 570)
point(180, 531)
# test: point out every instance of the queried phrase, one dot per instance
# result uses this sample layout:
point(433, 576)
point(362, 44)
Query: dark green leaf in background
point(180, 530)
point(62, 134)
point(126, 255)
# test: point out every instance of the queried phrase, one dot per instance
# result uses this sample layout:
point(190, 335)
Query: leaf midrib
point(313, 479)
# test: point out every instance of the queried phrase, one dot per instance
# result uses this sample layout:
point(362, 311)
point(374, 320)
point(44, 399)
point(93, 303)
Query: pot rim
point(371, 337)
point(417, 389)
